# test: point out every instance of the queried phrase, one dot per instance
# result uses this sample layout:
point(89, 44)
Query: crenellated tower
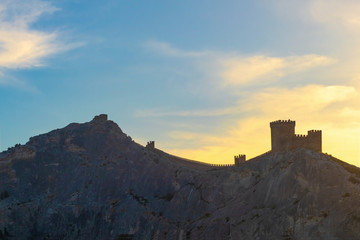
point(314, 140)
point(282, 134)
point(239, 159)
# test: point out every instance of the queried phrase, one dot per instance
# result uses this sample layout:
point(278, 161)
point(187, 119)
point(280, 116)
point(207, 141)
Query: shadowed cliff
point(91, 181)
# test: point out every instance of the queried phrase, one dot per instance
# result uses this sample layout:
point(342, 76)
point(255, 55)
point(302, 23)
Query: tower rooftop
point(281, 122)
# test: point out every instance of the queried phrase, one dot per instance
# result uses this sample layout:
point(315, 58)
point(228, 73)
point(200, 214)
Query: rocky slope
point(91, 181)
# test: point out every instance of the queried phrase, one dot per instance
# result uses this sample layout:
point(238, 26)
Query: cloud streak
point(189, 113)
point(164, 48)
point(242, 71)
point(235, 69)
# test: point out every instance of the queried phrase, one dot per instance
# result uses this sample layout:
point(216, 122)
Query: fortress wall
point(221, 165)
point(300, 141)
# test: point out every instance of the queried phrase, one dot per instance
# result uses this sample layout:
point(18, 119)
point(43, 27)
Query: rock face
point(91, 181)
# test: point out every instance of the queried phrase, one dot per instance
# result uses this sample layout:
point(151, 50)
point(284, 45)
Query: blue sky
point(202, 79)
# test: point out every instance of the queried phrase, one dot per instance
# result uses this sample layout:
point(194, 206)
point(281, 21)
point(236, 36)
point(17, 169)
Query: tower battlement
point(282, 122)
point(314, 131)
point(283, 137)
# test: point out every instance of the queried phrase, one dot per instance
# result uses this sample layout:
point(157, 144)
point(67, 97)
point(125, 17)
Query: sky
point(203, 79)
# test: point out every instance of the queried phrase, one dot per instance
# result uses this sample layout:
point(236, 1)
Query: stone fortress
point(283, 137)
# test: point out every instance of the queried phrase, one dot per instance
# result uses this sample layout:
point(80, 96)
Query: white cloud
point(20, 45)
point(24, 49)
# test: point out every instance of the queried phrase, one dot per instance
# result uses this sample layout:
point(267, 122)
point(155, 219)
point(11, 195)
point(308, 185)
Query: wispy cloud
point(344, 12)
point(189, 113)
point(301, 102)
point(21, 46)
point(232, 68)
point(166, 49)
point(333, 13)
point(247, 70)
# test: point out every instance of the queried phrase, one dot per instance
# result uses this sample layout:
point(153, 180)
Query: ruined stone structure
point(101, 118)
point(150, 144)
point(283, 137)
point(239, 159)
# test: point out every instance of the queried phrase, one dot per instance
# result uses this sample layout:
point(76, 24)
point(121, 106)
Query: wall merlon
point(314, 131)
point(221, 165)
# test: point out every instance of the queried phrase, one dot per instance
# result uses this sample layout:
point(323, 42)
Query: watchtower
point(150, 144)
point(239, 159)
point(314, 140)
point(282, 134)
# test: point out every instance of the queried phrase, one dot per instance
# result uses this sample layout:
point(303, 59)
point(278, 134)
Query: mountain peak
point(91, 181)
point(100, 134)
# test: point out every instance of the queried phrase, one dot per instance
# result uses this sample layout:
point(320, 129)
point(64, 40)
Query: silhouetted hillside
point(91, 181)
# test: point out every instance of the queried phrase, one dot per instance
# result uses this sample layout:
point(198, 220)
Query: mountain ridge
point(92, 181)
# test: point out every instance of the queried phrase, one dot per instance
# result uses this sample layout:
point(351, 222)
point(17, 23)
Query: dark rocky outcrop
point(91, 181)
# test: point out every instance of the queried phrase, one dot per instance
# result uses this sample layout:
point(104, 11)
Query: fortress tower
point(239, 159)
point(283, 137)
point(282, 134)
point(314, 140)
